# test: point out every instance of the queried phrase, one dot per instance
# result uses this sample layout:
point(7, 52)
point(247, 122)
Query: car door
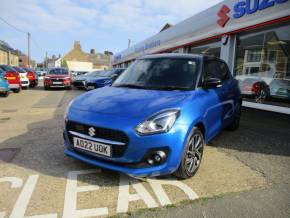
point(214, 99)
point(229, 88)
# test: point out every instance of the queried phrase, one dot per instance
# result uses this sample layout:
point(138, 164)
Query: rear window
point(6, 68)
point(20, 70)
point(58, 72)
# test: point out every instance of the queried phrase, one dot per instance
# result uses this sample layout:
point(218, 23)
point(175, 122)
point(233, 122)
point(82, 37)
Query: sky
point(54, 25)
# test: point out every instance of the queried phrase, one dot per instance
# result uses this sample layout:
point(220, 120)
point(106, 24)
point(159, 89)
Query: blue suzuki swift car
point(105, 78)
point(156, 117)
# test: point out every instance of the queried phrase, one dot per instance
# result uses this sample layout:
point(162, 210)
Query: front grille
point(57, 80)
point(91, 84)
point(102, 133)
point(78, 83)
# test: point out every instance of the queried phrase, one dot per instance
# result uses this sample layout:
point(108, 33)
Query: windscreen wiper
point(170, 88)
point(133, 86)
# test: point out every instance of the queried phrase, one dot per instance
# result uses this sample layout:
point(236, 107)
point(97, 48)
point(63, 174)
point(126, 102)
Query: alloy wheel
point(194, 153)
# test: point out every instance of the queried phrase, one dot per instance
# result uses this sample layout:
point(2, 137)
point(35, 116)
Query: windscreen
point(7, 68)
point(58, 71)
point(94, 73)
point(160, 73)
point(19, 70)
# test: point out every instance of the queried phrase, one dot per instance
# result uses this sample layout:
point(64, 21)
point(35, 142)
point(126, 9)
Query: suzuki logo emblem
point(92, 131)
point(223, 15)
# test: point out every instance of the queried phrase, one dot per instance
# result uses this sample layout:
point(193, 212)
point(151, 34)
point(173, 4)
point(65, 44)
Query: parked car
point(156, 117)
point(40, 72)
point(280, 88)
point(32, 76)
point(12, 77)
point(106, 78)
point(4, 85)
point(57, 78)
point(78, 73)
point(80, 80)
point(255, 88)
point(23, 77)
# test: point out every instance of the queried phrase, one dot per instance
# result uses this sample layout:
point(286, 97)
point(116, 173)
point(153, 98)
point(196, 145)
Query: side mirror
point(114, 76)
point(211, 83)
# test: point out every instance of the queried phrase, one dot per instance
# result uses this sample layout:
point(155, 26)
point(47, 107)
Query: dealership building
point(252, 36)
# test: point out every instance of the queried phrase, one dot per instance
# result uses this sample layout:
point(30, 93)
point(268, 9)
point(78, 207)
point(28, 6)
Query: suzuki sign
point(245, 7)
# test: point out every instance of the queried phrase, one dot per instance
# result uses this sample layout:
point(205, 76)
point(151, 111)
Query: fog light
point(157, 157)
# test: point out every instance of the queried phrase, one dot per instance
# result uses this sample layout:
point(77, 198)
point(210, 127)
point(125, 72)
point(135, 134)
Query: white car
point(23, 77)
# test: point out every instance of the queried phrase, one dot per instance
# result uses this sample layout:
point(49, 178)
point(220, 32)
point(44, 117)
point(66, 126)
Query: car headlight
point(159, 123)
point(66, 110)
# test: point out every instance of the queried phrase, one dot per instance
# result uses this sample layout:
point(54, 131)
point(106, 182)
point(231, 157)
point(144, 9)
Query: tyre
point(16, 90)
point(6, 94)
point(235, 124)
point(192, 156)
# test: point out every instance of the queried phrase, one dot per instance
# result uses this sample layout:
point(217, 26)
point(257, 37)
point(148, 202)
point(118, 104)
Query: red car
point(12, 77)
point(57, 78)
point(33, 79)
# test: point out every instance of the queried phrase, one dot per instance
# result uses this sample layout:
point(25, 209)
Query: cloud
point(104, 24)
point(123, 15)
point(49, 16)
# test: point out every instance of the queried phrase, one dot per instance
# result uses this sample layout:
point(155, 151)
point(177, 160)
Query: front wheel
point(192, 155)
point(6, 94)
point(16, 90)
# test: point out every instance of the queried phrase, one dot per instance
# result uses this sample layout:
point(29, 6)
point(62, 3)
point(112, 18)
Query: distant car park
point(40, 72)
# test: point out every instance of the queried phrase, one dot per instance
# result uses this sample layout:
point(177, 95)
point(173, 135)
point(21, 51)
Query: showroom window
point(213, 49)
point(262, 66)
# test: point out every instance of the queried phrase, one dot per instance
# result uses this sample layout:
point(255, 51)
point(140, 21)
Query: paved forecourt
point(40, 181)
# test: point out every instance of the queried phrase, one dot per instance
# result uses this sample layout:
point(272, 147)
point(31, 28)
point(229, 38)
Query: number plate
point(91, 146)
point(57, 83)
point(91, 87)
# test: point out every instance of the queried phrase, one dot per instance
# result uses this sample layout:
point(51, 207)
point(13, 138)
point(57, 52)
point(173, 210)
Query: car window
point(161, 73)
point(224, 71)
point(216, 69)
point(6, 68)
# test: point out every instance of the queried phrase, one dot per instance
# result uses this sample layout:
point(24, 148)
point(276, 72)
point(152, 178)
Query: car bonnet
point(125, 102)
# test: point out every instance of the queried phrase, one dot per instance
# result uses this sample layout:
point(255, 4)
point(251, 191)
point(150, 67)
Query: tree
point(64, 63)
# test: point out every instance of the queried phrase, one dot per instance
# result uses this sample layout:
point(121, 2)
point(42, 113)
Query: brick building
point(8, 55)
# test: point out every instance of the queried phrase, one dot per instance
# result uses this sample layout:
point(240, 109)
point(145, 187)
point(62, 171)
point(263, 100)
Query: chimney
point(93, 51)
point(77, 45)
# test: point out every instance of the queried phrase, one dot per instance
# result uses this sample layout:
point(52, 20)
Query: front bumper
point(14, 86)
point(133, 160)
point(4, 89)
point(58, 84)
point(79, 83)
point(24, 83)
